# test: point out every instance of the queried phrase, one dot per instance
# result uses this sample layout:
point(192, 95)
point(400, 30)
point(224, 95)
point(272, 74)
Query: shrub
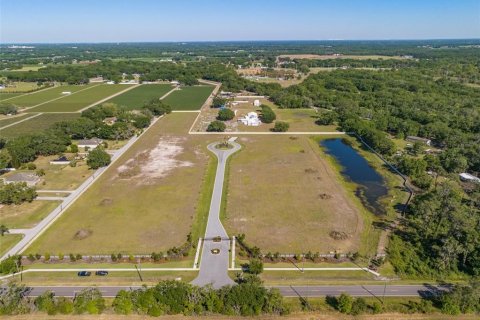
point(61, 256)
point(64, 305)
point(344, 303)
point(359, 306)
point(281, 126)
point(255, 266)
point(89, 301)
point(73, 148)
point(216, 126)
point(225, 115)
point(47, 257)
point(267, 116)
point(46, 303)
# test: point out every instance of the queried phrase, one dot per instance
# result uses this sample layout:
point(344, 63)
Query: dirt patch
point(106, 202)
point(324, 196)
point(155, 163)
point(339, 235)
point(82, 234)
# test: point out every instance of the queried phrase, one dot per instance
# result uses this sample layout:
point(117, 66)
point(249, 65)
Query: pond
point(371, 185)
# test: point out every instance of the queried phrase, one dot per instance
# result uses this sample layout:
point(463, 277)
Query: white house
point(90, 143)
point(256, 103)
point(251, 119)
point(467, 177)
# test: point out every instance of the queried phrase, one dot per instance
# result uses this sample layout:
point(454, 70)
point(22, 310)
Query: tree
point(281, 126)
point(3, 230)
point(98, 158)
point(157, 107)
point(16, 193)
point(90, 301)
point(46, 303)
point(5, 158)
point(218, 102)
point(255, 266)
point(216, 126)
point(225, 115)
point(267, 115)
point(344, 303)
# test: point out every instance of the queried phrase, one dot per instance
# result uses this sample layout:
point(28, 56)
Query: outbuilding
point(31, 179)
point(251, 119)
point(90, 143)
point(467, 177)
point(419, 139)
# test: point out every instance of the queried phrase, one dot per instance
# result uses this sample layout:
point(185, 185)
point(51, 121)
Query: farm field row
point(41, 96)
point(189, 98)
point(145, 202)
point(80, 100)
point(37, 124)
point(5, 121)
point(135, 98)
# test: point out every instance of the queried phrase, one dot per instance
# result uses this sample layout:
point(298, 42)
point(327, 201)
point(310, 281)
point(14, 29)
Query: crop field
point(284, 196)
point(135, 98)
point(189, 98)
point(8, 95)
point(144, 202)
point(20, 87)
point(5, 121)
point(37, 124)
point(41, 96)
point(26, 215)
point(80, 100)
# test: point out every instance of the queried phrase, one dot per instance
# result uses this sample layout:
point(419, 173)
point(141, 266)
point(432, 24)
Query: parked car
point(101, 273)
point(84, 274)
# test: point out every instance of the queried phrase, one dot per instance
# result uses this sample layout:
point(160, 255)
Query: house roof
point(90, 142)
point(22, 177)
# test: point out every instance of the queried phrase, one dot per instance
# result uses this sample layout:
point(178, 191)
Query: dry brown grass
point(135, 213)
point(275, 192)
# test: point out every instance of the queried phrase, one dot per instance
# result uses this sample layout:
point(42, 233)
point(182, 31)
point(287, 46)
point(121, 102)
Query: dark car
point(101, 273)
point(84, 274)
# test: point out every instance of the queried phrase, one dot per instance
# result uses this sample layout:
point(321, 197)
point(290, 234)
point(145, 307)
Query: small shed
point(31, 179)
point(467, 177)
point(419, 139)
point(60, 161)
point(256, 103)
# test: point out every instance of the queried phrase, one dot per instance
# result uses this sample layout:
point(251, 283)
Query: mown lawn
point(36, 124)
point(5, 121)
point(189, 98)
point(26, 215)
point(8, 241)
point(80, 100)
point(41, 96)
point(136, 98)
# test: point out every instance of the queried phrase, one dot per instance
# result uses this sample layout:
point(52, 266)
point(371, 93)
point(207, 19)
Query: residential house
point(419, 139)
point(251, 119)
point(31, 179)
point(89, 143)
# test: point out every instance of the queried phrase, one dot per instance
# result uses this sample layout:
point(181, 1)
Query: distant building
point(251, 119)
point(90, 143)
point(30, 179)
point(66, 92)
point(110, 120)
point(96, 79)
point(60, 161)
point(256, 103)
point(467, 177)
point(419, 139)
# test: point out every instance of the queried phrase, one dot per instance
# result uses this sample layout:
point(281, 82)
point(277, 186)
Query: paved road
point(214, 267)
point(287, 291)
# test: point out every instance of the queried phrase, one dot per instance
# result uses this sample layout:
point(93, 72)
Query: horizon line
point(230, 41)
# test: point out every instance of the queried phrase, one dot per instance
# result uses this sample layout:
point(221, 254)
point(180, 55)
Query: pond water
point(371, 185)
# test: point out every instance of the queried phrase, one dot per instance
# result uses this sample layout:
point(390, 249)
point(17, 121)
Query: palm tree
point(3, 230)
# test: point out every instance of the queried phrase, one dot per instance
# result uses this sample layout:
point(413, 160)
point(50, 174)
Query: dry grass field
point(285, 197)
point(26, 215)
point(145, 202)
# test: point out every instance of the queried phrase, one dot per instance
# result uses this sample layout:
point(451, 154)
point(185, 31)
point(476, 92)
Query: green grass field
point(41, 96)
point(82, 99)
point(189, 98)
point(8, 95)
point(36, 124)
point(135, 98)
point(5, 121)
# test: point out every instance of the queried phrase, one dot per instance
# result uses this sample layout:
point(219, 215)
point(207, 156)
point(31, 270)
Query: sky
point(57, 21)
